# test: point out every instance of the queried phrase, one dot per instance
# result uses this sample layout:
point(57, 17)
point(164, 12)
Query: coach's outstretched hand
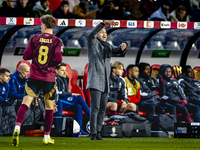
point(110, 22)
point(123, 46)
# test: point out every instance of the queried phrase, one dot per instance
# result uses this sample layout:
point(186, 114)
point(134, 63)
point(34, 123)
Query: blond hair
point(116, 65)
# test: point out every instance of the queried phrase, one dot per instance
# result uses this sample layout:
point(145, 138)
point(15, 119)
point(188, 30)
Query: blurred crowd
point(156, 10)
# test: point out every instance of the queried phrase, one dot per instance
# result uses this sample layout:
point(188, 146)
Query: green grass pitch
point(84, 143)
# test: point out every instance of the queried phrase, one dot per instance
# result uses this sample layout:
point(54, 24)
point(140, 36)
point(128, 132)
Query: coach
point(99, 55)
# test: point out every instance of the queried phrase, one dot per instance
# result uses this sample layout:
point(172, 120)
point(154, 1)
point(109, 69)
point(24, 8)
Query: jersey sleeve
point(59, 47)
point(28, 52)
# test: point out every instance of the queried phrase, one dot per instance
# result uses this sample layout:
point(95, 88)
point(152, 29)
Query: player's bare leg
point(49, 105)
point(27, 100)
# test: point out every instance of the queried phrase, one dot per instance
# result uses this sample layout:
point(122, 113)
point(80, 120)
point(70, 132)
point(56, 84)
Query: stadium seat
point(73, 76)
point(23, 61)
point(65, 112)
point(196, 72)
point(155, 69)
point(176, 71)
point(73, 87)
point(86, 92)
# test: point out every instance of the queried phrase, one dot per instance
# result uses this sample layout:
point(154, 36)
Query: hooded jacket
point(191, 88)
point(148, 86)
point(173, 17)
point(158, 16)
point(117, 89)
point(170, 90)
point(17, 86)
point(39, 11)
point(62, 87)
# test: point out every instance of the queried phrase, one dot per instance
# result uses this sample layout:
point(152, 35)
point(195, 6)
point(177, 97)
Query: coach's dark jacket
point(117, 89)
point(99, 55)
point(62, 86)
point(191, 88)
point(170, 90)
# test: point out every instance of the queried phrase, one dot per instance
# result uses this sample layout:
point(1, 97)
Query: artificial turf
point(84, 143)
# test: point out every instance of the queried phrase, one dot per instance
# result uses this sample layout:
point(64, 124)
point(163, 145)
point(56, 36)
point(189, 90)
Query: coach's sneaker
point(15, 138)
point(47, 141)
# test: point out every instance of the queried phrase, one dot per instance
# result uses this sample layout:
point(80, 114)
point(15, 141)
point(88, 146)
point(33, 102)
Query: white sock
point(17, 127)
point(47, 136)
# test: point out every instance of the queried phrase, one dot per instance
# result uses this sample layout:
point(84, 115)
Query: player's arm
point(123, 90)
point(13, 89)
point(58, 52)
point(4, 97)
point(28, 52)
point(98, 28)
point(94, 32)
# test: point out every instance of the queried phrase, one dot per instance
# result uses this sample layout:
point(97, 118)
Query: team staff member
point(99, 54)
point(45, 51)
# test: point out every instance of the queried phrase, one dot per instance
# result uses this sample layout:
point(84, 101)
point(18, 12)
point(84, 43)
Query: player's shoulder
point(34, 37)
point(60, 41)
point(7, 85)
point(122, 79)
point(55, 38)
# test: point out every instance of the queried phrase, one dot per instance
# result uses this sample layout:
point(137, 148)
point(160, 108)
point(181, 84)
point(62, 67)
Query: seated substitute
point(66, 99)
point(16, 94)
point(133, 88)
point(117, 98)
point(7, 110)
point(17, 84)
point(172, 93)
point(149, 91)
point(190, 85)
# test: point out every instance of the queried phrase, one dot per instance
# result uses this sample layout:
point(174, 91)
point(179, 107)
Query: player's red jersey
point(45, 50)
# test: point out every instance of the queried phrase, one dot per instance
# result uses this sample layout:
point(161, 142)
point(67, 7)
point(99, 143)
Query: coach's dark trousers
point(98, 107)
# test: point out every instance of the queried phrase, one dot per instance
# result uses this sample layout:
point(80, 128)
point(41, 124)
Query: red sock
point(189, 119)
point(48, 121)
point(113, 112)
point(21, 114)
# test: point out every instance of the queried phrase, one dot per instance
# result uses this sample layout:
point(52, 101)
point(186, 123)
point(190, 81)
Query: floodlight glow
point(25, 41)
point(159, 43)
point(175, 44)
point(76, 42)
